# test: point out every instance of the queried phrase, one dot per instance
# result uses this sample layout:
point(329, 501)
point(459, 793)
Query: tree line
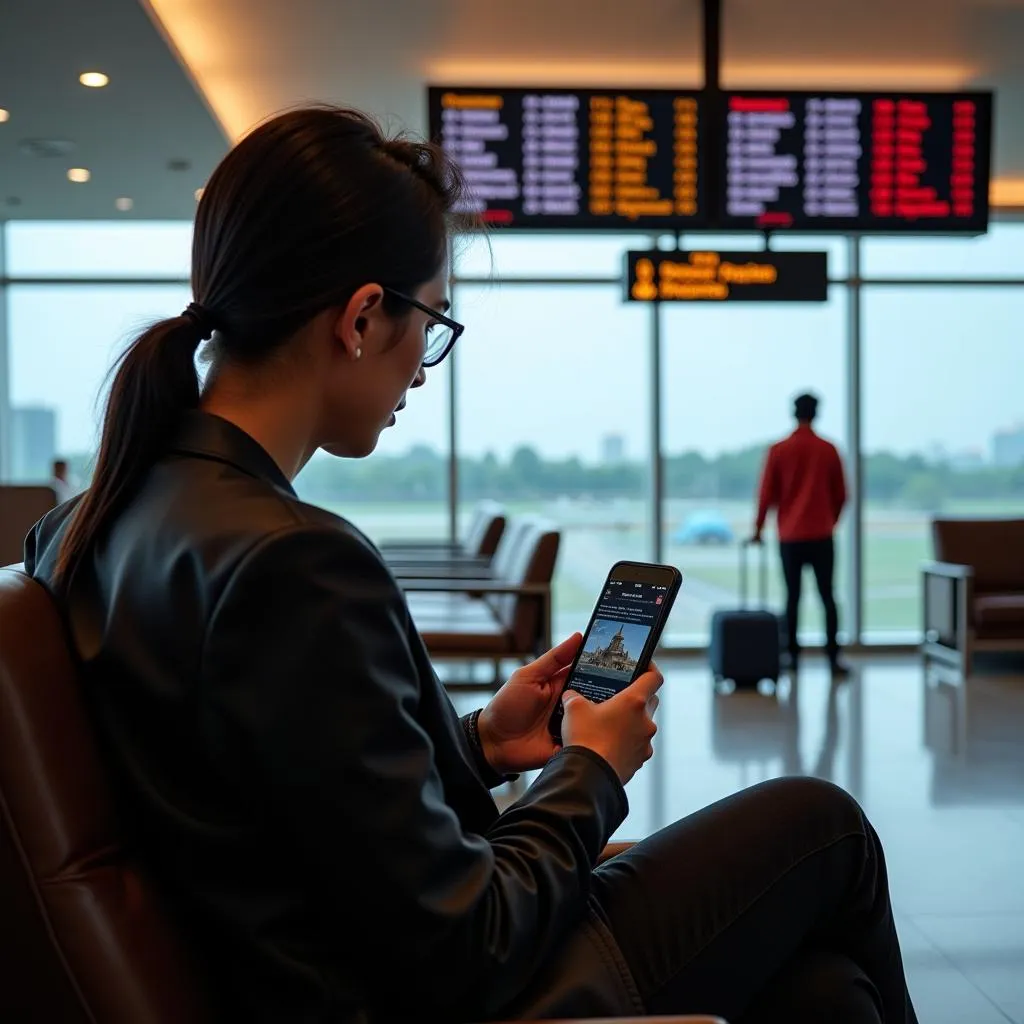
point(422, 475)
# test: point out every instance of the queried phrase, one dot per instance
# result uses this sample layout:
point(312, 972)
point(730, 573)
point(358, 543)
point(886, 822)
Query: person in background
point(803, 481)
point(61, 483)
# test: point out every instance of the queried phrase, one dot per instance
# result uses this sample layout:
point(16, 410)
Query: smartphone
point(623, 632)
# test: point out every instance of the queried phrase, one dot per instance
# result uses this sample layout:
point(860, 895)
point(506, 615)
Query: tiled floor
point(937, 764)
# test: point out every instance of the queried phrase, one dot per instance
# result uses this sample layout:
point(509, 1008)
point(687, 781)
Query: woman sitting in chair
point(292, 772)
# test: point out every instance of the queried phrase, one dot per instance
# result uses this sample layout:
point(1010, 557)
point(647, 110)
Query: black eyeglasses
point(441, 334)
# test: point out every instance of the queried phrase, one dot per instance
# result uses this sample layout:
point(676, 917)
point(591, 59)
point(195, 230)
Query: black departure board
point(703, 276)
point(601, 159)
point(829, 161)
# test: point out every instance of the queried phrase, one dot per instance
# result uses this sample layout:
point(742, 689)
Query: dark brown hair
point(303, 211)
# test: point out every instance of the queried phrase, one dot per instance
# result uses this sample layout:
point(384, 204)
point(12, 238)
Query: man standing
point(803, 481)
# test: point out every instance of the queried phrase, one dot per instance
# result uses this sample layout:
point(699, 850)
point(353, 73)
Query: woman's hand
point(514, 725)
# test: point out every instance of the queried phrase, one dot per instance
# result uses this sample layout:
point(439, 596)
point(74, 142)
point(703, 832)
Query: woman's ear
point(361, 320)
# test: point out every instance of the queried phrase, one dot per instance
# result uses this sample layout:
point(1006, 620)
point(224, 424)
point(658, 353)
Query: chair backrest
point(533, 560)
point(508, 546)
point(485, 530)
point(83, 938)
point(994, 548)
point(21, 507)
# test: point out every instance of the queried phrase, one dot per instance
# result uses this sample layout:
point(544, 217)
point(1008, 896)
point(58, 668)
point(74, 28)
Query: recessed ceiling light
point(93, 79)
point(5, 115)
point(123, 203)
point(198, 194)
point(78, 174)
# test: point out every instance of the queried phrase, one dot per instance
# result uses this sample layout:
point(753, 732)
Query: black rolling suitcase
point(745, 643)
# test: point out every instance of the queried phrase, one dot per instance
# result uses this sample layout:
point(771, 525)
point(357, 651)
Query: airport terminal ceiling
point(203, 71)
point(251, 57)
point(147, 136)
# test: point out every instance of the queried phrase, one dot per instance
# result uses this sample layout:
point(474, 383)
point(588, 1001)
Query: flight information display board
point(659, 275)
point(600, 159)
point(829, 161)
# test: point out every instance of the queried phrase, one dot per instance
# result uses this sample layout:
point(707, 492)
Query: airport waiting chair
point(506, 616)
point(973, 593)
point(482, 537)
point(21, 507)
point(85, 937)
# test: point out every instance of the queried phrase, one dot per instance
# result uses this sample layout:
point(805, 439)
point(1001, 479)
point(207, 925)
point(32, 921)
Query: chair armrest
point(440, 546)
point(450, 586)
point(951, 570)
point(947, 595)
point(433, 558)
point(439, 572)
point(456, 569)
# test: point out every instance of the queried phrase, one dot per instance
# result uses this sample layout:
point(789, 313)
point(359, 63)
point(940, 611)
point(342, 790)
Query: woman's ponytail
point(154, 381)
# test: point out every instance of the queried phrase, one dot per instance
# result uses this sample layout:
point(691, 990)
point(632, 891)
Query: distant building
point(33, 444)
point(971, 458)
point(613, 448)
point(1008, 446)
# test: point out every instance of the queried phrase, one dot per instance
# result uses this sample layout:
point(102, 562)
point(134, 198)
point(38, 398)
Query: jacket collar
point(211, 437)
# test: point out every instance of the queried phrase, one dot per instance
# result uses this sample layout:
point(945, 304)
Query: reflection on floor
point(937, 763)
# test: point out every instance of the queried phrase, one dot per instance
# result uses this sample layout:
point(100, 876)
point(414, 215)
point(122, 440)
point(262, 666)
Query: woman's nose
point(420, 379)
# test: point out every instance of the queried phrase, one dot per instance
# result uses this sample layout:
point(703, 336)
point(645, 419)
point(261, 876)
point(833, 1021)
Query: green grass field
point(596, 534)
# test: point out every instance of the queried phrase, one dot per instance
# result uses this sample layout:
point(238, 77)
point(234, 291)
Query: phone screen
point(623, 632)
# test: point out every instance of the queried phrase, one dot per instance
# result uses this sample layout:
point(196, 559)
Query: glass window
point(62, 342)
point(943, 422)
point(838, 250)
point(99, 249)
point(553, 405)
point(401, 490)
point(497, 256)
point(730, 373)
point(999, 254)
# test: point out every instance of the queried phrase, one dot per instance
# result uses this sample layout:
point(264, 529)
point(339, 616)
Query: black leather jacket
point(291, 769)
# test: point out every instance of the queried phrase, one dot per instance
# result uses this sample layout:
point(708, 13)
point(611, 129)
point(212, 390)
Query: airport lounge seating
point(86, 938)
point(504, 616)
point(494, 568)
point(973, 593)
point(482, 537)
point(21, 506)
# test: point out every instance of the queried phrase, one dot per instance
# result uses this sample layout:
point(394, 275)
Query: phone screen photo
point(623, 632)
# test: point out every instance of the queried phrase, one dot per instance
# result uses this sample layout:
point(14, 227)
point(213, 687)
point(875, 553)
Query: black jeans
point(771, 905)
point(820, 555)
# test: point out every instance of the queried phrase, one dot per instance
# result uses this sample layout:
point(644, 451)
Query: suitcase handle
point(762, 574)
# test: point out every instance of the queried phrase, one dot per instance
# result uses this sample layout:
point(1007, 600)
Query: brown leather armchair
point(973, 593)
point(85, 938)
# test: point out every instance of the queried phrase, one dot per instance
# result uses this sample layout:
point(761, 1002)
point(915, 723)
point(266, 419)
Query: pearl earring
point(359, 353)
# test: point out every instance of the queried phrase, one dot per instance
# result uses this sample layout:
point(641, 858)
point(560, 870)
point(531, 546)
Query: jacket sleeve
point(767, 497)
point(309, 679)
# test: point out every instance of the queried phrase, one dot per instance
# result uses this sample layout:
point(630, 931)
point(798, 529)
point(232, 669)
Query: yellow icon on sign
point(644, 289)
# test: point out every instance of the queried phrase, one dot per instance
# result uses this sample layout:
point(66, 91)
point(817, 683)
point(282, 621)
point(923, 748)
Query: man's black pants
point(820, 556)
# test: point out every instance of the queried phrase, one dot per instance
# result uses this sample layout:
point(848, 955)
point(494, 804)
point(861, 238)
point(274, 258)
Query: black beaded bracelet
point(490, 775)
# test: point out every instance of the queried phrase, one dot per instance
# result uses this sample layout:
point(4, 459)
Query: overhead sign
point(704, 276)
point(598, 159)
point(843, 161)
